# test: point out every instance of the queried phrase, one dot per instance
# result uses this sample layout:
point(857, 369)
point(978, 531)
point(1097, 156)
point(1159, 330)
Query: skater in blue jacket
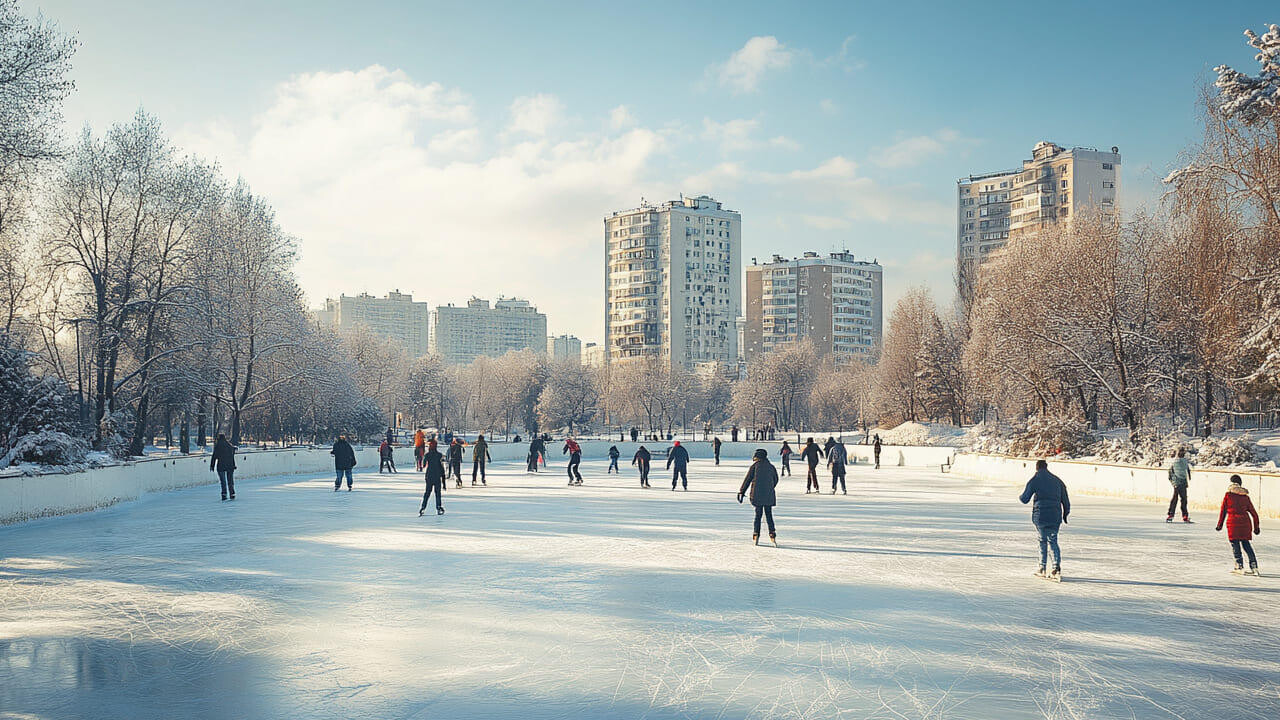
point(1050, 510)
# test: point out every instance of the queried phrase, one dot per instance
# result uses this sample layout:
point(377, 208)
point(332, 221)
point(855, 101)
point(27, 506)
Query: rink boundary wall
point(29, 497)
point(1134, 482)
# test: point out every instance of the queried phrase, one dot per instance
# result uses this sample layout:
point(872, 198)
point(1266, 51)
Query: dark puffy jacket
point(480, 452)
point(613, 452)
point(812, 454)
point(1052, 506)
point(1238, 513)
point(537, 447)
point(223, 457)
point(435, 470)
point(679, 456)
point(641, 457)
point(455, 453)
point(344, 458)
point(761, 479)
point(838, 455)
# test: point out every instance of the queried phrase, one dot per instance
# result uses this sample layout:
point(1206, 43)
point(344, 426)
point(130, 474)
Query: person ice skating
point(434, 470)
point(614, 454)
point(419, 447)
point(537, 451)
point(455, 460)
point(635, 434)
point(733, 434)
point(390, 436)
point(715, 448)
point(826, 447)
point(761, 482)
point(223, 460)
point(785, 453)
point(575, 459)
point(1242, 524)
point(811, 454)
point(837, 458)
point(641, 460)
point(875, 447)
point(344, 458)
point(385, 459)
point(1179, 478)
point(479, 456)
point(680, 457)
point(1051, 508)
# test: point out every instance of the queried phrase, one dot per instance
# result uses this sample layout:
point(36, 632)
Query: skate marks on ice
point(911, 597)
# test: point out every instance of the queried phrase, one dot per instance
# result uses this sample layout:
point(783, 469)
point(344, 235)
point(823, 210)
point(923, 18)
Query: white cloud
point(621, 118)
point(390, 183)
point(535, 115)
point(740, 135)
point(744, 68)
point(828, 106)
point(915, 150)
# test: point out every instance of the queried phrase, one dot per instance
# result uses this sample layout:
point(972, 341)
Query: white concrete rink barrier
point(1137, 482)
point(28, 497)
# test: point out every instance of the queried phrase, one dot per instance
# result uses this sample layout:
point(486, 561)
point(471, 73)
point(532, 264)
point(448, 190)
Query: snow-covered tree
point(30, 405)
point(570, 397)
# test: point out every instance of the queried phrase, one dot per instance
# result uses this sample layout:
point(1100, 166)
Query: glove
point(1257, 530)
point(1064, 517)
point(740, 497)
point(1219, 528)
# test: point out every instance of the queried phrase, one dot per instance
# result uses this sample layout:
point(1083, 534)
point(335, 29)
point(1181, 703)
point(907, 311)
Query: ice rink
point(912, 597)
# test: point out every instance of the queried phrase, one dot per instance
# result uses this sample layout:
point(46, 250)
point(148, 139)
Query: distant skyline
point(454, 150)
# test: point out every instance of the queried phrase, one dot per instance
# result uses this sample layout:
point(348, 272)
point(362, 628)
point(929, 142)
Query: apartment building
point(396, 316)
point(673, 286)
point(564, 347)
point(463, 334)
point(836, 301)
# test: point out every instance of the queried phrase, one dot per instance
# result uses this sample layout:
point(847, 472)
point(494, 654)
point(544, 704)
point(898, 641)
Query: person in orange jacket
point(419, 446)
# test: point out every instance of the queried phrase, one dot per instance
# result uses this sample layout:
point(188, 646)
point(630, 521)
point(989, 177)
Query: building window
point(1108, 166)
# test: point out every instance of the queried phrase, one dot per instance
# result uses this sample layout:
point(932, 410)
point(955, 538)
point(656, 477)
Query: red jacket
point(1237, 511)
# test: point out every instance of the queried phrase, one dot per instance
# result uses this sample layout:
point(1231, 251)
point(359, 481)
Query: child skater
point(1242, 524)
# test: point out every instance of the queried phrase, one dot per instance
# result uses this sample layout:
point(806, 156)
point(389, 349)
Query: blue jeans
point(226, 478)
point(337, 483)
point(1049, 541)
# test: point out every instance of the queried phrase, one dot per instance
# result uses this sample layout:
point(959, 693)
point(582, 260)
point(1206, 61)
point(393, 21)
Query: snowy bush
point(1046, 435)
point(922, 434)
point(29, 403)
point(114, 432)
point(50, 447)
point(1228, 451)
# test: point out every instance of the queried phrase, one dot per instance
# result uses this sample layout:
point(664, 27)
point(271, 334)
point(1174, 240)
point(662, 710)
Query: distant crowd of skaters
point(1051, 505)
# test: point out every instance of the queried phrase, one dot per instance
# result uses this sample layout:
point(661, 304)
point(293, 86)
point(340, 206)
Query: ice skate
point(773, 538)
point(1253, 570)
point(755, 539)
point(1169, 519)
point(1188, 520)
point(439, 511)
point(337, 488)
point(1040, 572)
point(459, 483)
point(1238, 569)
point(421, 511)
point(1056, 574)
point(224, 498)
point(233, 497)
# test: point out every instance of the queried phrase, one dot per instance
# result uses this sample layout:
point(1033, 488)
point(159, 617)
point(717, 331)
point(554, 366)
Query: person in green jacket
point(479, 456)
point(1179, 476)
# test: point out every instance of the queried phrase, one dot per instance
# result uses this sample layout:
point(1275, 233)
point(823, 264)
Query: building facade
point(1055, 185)
point(673, 286)
point(564, 347)
point(593, 355)
point(836, 301)
point(463, 334)
point(396, 316)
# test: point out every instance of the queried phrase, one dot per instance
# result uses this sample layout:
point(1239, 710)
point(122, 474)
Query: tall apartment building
point(396, 316)
point(463, 334)
point(564, 347)
point(673, 286)
point(835, 301)
point(593, 355)
point(1054, 185)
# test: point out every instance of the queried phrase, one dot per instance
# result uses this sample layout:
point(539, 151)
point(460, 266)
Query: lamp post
point(80, 409)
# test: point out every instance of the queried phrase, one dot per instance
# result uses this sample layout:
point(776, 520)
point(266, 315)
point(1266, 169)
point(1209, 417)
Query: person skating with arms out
point(1179, 478)
point(434, 470)
point(641, 460)
point(761, 483)
point(1051, 508)
point(1241, 519)
point(575, 459)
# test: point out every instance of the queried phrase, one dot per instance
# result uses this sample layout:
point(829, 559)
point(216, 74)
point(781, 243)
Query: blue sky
point(451, 149)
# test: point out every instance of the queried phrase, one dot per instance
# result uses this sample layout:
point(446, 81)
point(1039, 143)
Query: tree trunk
point(1208, 404)
point(184, 434)
point(202, 420)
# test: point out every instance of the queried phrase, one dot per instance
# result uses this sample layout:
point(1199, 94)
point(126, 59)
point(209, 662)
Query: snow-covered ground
point(912, 597)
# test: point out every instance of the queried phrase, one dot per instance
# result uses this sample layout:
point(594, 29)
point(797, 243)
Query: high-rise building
point(836, 301)
point(463, 334)
point(396, 316)
point(673, 286)
point(1054, 185)
point(564, 347)
point(593, 355)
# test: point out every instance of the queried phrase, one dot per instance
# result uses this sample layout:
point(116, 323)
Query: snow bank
point(923, 434)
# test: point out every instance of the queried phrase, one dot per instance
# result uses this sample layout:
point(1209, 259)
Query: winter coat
point(641, 457)
point(715, 445)
point(419, 439)
point(390, 437)
point(761, 478)
point(1179, 472)
point(455, 453)
point(572, 448)
point(223, 457)
point(480, 453)
point(838, 455)
point(826, 447)
point(434, 468)
point(1237, 510)
point(785, 451)
point(876, 445)
point(384, 451)
point(344, 458)
point(679, 456)
point(1052, 506)
point(812, 453)
point(613, 452)
point(537, 447)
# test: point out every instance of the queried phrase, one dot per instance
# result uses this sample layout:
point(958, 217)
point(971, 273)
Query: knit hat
point(761, 454)
point(1235, 480)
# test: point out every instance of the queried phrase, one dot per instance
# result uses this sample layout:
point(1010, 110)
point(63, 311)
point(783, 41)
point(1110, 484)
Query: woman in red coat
point(1242, 524)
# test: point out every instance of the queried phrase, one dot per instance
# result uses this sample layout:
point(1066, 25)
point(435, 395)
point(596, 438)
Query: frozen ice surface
point(912, 597)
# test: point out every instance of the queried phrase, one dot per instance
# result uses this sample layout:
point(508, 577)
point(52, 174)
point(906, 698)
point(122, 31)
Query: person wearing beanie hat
point(680, 457)
point(1242, 524)
point(641, 461)
point(761, 482)
point(435, 478)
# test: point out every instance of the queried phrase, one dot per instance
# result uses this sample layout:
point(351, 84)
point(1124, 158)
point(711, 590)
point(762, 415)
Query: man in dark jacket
point(641, 460)
point(1051, 508)
point(223, 460)
point(761, 481)
point(733, 434)
point(479, 456)
point(811, 454)
point(537, 451)
point(344, 458)
point(680, 457)
point(435, 479)
point(455, 460)
point(614, 454)
point(715, 448)
point(635, 434)
point(837, 458)
point(875, 446)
